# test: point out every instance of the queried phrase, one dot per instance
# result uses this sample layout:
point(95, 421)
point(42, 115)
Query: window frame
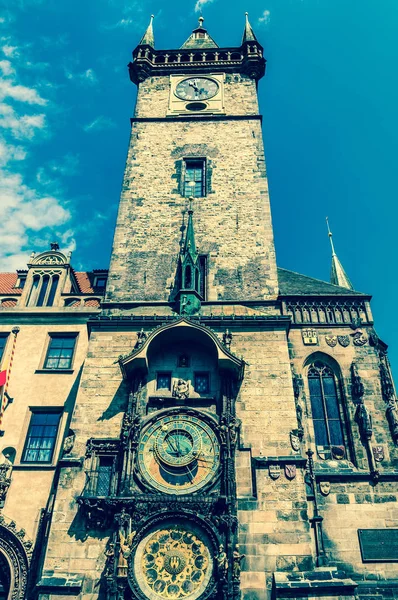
point(35, 410)
point(163, 374)
point(54, 335)
point(194, 159)
point(4, 335)
point(201, 374)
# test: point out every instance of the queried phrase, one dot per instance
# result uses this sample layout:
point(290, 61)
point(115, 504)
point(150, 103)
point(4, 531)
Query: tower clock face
point(197, 88)
point(178, 454)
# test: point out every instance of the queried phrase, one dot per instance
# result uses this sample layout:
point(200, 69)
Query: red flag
point(3, 377)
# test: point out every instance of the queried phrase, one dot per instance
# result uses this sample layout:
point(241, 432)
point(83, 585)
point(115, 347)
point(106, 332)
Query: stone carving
point(337, 452)
point(331, 340)
point(364, 420)
point(274, 471)
point(357, 388)
point(227, 339)
point(126, 547)
point(378, 453)
point(324, 488)
point(360, 338)
point(110, 559)
point(295, 440)
point(290, 472)
point(141, 338)
point(222, 563)
point(387, 387)
point(5, 478)
point(237, 558)
point(68, 442)
point(392, 418)
point(310, 337)
point(344, 340)
point(181, 389)
point(297, 387)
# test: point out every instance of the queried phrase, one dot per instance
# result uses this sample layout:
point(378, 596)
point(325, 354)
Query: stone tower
point(231, 429)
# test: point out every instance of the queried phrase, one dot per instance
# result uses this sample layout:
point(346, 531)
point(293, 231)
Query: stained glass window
point(60, 352)
point(202, 383)
point(42, 435)
point(324, 405)
point(163, 381)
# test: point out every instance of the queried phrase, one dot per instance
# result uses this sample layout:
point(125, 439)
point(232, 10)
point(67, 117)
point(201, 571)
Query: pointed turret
point(248, 33)
point(338, 276)
point(188, 273)
point(148, 39)
point(199, 38)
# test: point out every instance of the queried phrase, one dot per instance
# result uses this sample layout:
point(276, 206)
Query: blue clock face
point(178, 454)
point(197, 88)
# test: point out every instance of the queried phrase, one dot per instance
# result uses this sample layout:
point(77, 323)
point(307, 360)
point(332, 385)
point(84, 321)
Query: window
point(104, 475)
point(194, 178)
point(60, 352)
point(42, 435)
point(163, 381)
point(3, 342)
point(20, 283)
point(325, 405)
point(43, 290)
point(202, 383)
point(100, 282)
point(203, 276)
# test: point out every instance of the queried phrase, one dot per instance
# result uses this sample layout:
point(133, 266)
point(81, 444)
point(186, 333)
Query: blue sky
point(329, 100)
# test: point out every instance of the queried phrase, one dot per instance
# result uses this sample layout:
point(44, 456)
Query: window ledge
point(55, 371)
point(34, 466)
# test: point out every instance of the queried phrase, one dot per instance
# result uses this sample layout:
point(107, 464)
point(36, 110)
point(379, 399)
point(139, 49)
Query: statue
point(237, 559)
point(110, 559)
point(181, 390)
point(222, 562)
point(126, 547)
point(364, 420)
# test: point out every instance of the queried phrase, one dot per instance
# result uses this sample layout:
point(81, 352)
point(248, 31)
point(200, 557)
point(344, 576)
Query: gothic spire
point(248, 33)
point(337, 274)
point(148, 39)
point(189, 247)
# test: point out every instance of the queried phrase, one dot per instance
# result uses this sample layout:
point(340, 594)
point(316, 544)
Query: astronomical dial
point(178, 454)
point(196, 88)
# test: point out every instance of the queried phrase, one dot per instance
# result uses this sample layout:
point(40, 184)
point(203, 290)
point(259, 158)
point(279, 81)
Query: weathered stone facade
point(227, 434)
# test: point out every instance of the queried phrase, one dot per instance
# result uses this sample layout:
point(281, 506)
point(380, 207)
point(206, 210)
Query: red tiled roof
point(7, 282)
point(84, 283)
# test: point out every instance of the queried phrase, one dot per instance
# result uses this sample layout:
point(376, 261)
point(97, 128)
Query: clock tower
point(196, 132)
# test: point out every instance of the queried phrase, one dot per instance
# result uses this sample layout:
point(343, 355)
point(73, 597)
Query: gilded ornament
point(331, 340)
point(174, 563)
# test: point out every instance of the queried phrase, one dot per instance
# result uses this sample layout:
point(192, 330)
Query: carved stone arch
point(50, 258)
point(325, 358)
point(16, 552)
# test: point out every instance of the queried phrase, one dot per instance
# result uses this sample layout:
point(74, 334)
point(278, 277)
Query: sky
point(329, 101)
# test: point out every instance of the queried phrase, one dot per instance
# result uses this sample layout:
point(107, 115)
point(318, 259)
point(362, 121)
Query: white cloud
point(6, 67)
point(9, 152)
point(86, 77)
point(20, 92)
point(265, 17)
point(10, 50)
point(19, 125)
point(99, 124)
point(201, 3)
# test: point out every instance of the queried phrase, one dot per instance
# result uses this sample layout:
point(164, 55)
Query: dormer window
point(20, 283)
point(100, 282)
point(43, 290)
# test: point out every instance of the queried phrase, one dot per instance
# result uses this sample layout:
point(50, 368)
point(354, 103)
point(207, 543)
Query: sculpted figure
point(237, 558)
point(126, 546)
point(222, 562)
point(181, 389)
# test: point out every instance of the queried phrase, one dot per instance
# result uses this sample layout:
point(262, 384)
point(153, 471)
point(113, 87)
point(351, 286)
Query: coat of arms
point(378, 453)
point(344, 340)
point(290, 471)
point(331, 340)
point(310, 337)
point(324, 487)
point(274, 471)
point(360, 338)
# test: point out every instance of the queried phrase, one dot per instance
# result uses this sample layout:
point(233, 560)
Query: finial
point(190, 209)
point(54, 246)
point(330, 234)
point(201, 19)
point(148, 37)
point(248, 33)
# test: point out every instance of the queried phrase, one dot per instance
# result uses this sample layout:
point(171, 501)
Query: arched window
point(53, 290)
point(325, 405)
point(33, 290)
